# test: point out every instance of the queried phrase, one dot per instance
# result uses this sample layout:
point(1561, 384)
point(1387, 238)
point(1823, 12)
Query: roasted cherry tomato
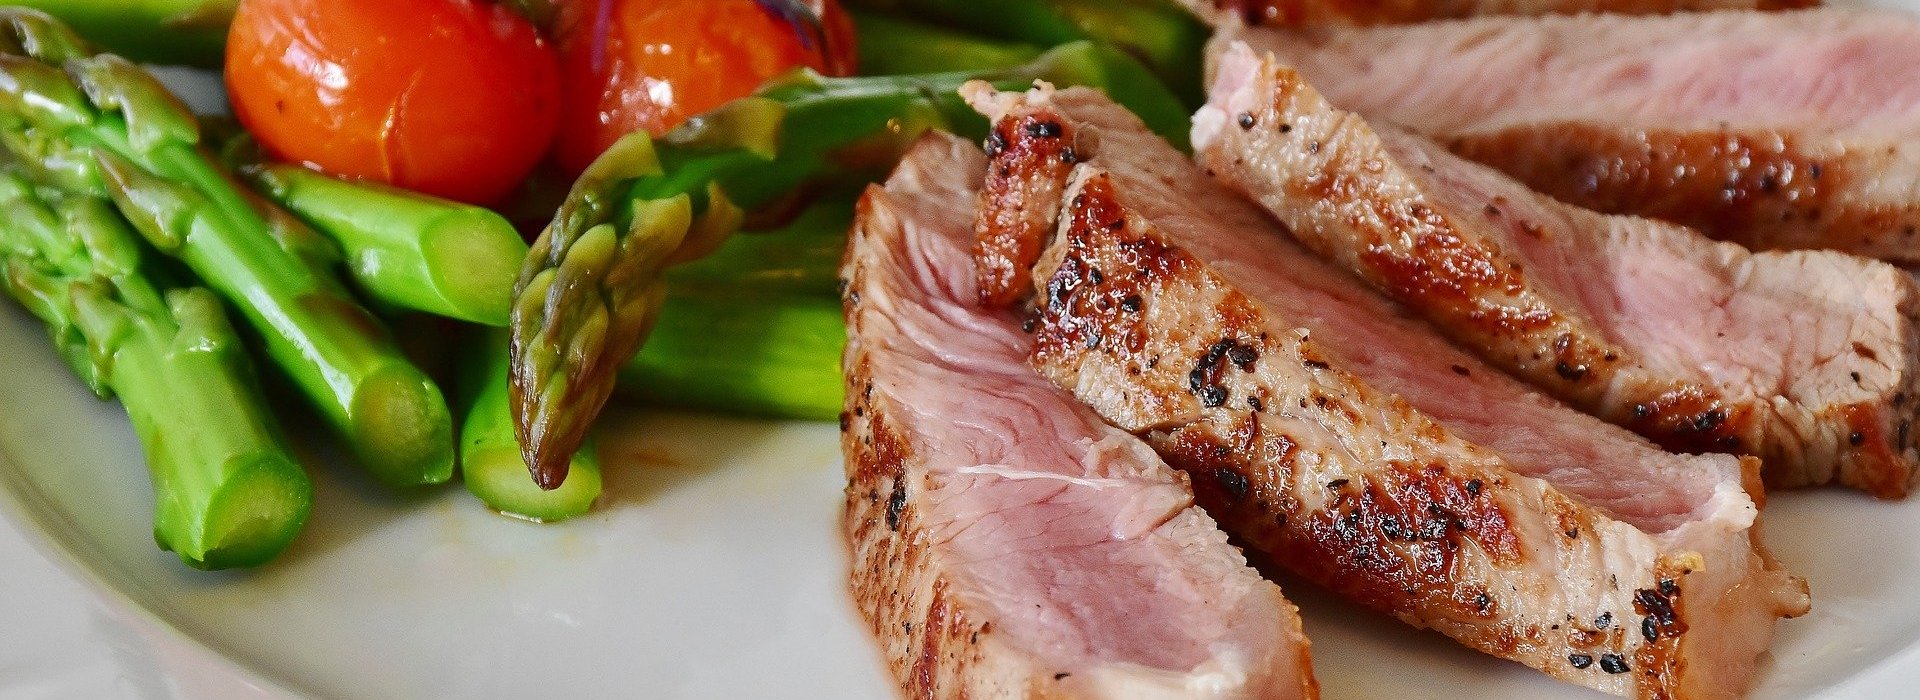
point(456, 98)
point(630, 65)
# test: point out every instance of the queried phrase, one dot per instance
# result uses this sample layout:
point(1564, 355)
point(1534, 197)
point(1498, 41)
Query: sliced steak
point(1006, 542)
point(1773, 130)
point(1367, 454)
point(1805, 359)
point(1364, 12)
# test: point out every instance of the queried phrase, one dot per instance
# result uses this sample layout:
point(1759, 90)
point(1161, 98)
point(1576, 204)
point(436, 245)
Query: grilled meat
point(1805, 359)
point(1005, 542)
point(1367, 454)
point(1790, 130)
point(1364, 12)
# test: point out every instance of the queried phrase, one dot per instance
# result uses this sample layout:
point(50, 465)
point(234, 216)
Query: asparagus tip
point(549, 472)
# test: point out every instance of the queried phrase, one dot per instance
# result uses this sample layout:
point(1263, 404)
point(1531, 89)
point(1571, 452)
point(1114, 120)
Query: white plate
point(713, 570)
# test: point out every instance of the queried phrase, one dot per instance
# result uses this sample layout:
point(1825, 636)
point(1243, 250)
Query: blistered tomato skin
point(455, 98)
point(648, 65)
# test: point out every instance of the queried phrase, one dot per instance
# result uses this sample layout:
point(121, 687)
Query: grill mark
point(1758, 188)
point(1690, 419)
point(925, 637)
point(1560, 354)
point(1389, 539)
point(1076, 311)
point(1428, 259)
point(1662, 614)
point(926, 678)
point(1417, 254)
point(1029, 157)
point(1874, 463)
point(1392, 537)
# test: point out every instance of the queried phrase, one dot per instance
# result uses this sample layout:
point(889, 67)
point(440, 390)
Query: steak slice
point(1366, 12)
point(1363, 452)
point(1005, 541)
point(1805, 359)
point(1773, 130)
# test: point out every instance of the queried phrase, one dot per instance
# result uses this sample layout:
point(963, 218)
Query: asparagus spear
point(592, 285)
point(98, 124)
point(1165, 37)
point(407, 249)
point(227, 491)
point(752, 328)
point(801, 257)
point(191, 32)
point(490, 455)
point(891, 45)
point(775, 356)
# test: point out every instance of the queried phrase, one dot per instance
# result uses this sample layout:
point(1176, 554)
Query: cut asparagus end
point(475, 256)
point(495, 473)
point(401, 428)
point(250, 520)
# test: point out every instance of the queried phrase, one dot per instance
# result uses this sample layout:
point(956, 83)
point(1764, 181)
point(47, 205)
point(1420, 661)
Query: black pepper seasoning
point(1044, 130)
point(1231, 482)
point(1614, 663)
point(896, 505)
point(1213, 396)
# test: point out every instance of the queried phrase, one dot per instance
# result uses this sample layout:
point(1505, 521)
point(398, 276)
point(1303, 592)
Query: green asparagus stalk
point(190, 32)
point(775, 356)
point(592, 286)
point(227, 491)
point(98, 124)
point(891, 45)
point(490, 454)
point(755, 327)
point(1167, 38)
point(731, 337)
point(801, 257)
point(407, 249)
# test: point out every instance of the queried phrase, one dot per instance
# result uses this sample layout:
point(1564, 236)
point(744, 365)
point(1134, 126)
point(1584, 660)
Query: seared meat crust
point(1269, 397)
point(1005, 543)
point(1804, 359)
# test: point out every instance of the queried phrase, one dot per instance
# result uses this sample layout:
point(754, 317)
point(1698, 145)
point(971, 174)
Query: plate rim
point(29, 510)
